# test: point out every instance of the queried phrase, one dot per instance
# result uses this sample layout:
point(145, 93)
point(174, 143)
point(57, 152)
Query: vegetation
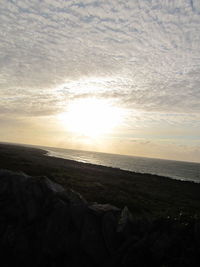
point(146, 195)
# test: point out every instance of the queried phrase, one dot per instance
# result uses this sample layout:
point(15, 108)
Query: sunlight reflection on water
point(180, 170)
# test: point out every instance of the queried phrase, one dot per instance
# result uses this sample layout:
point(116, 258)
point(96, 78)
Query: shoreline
point(50, 150)
point(144, 194)
point(126, 170)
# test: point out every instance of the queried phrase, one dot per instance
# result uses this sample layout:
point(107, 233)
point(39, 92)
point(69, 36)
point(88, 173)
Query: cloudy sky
point(140, 60)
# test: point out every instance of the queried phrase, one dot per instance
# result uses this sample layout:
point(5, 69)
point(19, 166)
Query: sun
point(91, 117)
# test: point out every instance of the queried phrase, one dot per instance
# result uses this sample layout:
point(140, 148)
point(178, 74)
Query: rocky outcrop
point(42, 224)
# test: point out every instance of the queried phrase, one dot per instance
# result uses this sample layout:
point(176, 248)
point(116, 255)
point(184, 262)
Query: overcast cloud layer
point(143, 55)
point(146, 52)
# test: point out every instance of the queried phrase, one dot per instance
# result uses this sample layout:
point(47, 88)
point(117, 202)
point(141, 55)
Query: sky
point(112, 76)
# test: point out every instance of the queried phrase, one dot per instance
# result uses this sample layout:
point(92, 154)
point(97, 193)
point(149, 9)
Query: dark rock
point(101, 209)
point(160, 247)
point(78, 208)
point(41, 224)
point(125, 223)
point(55, 238)
point(92, 239)
point(197, 233)
point(109, 229)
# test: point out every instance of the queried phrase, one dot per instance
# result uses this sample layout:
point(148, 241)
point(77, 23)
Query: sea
point(180, 170)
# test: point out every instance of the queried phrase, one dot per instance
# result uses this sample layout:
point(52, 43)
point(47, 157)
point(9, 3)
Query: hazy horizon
point(107, 76)
point(102, 152)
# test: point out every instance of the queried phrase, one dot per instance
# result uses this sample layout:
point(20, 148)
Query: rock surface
point(41, 224)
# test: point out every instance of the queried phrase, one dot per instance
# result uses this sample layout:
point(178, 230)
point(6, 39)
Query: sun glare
point(91, 117)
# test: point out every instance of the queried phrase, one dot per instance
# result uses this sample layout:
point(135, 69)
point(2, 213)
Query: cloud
point(168, 149)
point(141, 55)
point(61, 39)
point(29, 103)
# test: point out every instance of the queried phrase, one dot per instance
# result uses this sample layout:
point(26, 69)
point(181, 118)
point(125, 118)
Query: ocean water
point(179, 170)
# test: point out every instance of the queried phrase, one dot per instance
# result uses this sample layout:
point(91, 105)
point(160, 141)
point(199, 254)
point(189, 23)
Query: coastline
point(54, 154)
point(144, 194)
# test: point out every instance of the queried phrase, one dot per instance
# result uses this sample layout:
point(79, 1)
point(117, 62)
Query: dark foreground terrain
point(42, 224)
point(144, 194)
point(149, 221)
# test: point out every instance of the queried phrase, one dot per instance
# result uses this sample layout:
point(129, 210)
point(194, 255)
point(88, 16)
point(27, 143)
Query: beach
point(144, 194)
